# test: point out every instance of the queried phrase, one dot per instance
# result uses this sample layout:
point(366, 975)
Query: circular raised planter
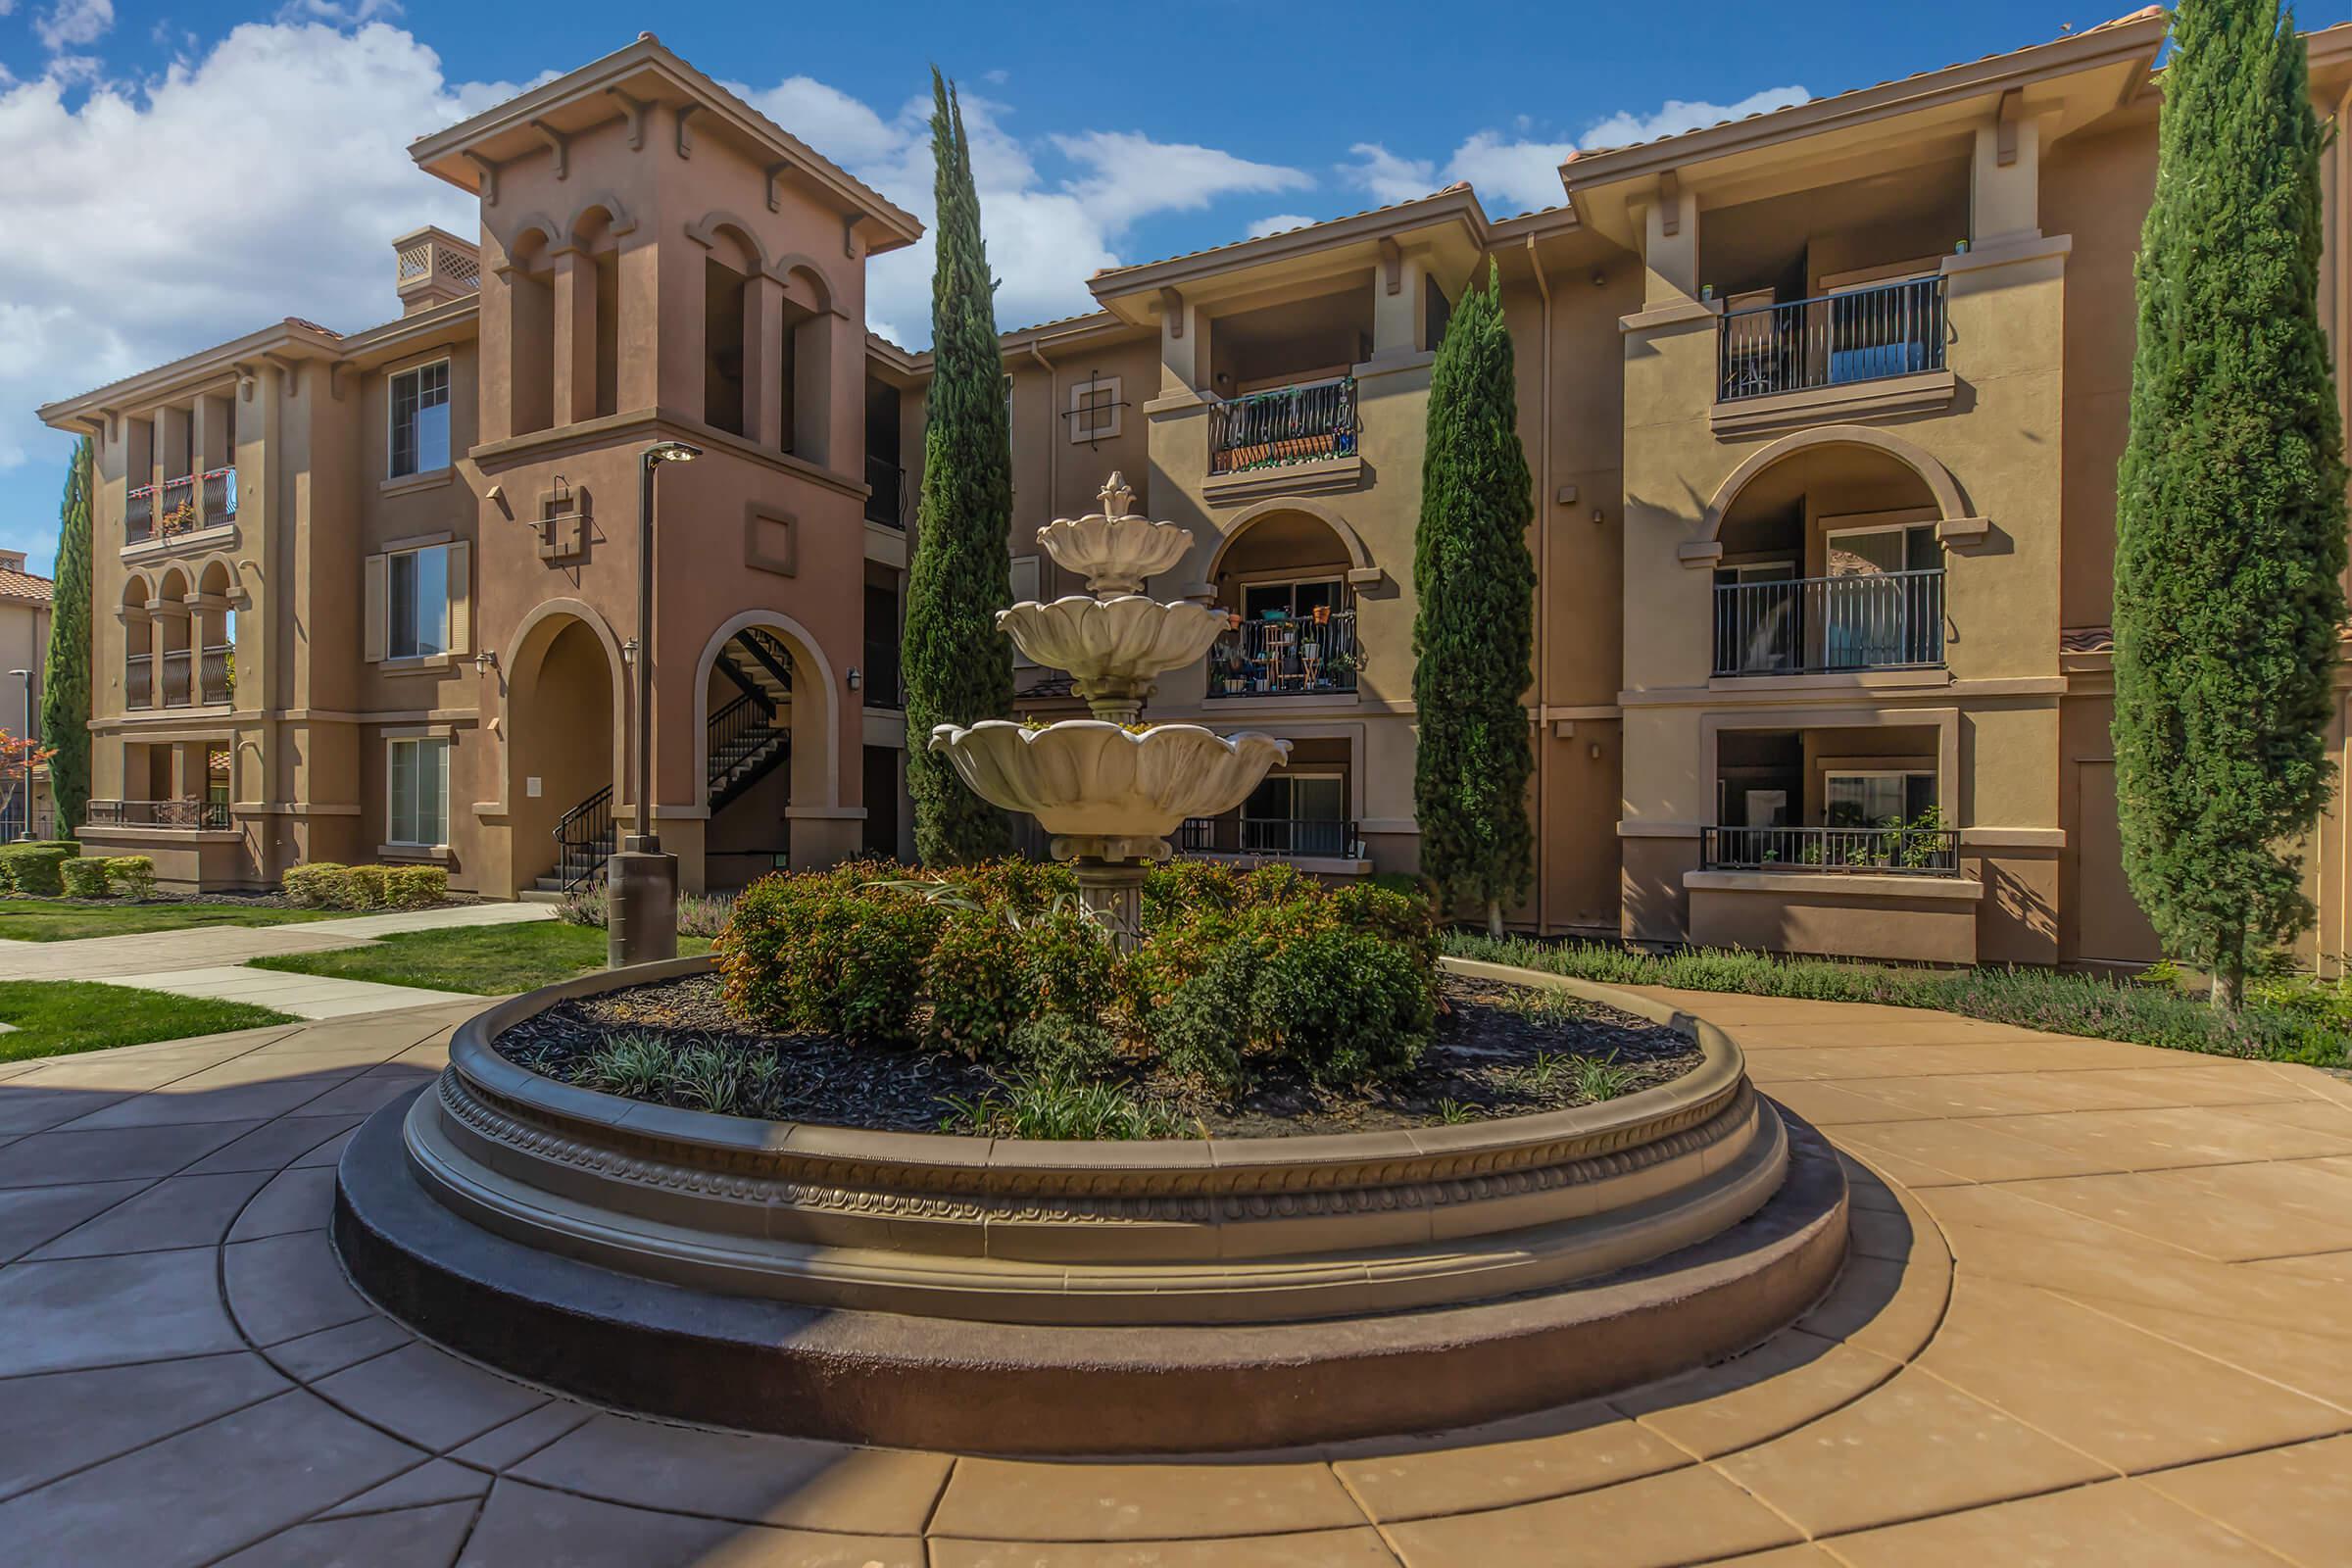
point(1210, 1294)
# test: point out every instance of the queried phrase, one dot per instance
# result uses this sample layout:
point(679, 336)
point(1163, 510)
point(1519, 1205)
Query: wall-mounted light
point(485, 661)
point(856, 679)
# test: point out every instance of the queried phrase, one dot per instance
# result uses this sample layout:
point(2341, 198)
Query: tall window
point(420, 420)
point(1876, 800)
point(418, 771)
point(416, 602)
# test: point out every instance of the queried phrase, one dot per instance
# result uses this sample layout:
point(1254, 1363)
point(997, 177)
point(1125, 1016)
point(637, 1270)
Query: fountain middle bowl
point(1128, 636)
point(1090, 776)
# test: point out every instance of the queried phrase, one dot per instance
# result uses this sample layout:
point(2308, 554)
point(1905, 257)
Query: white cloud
point(1131, 175)
point(1677, 116)
point(70, 24)
point(1278, 222)
point(1520, 171)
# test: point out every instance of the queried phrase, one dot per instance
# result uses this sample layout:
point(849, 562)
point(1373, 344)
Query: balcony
point(217, 674)
point(1285, 657)
point(139, 680)
point(1812, 625)
point(178, 668)
point(1841, 339)
point(185, 815)
point(887, 502)
point(1313, 421)
point(1303, 838)
point(1893, 850)
point(181, 505)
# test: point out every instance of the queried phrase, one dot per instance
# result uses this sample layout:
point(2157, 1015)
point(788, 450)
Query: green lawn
point(485, 960)
point(42, 921)
point(58, 1017)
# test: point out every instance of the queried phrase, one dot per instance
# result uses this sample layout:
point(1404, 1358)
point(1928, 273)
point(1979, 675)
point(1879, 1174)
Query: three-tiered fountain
point(1110, 789)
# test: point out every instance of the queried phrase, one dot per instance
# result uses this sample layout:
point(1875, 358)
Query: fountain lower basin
point(1089, 777)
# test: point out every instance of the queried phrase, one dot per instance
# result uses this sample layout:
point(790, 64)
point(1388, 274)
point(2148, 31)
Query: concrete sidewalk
point(210, 961)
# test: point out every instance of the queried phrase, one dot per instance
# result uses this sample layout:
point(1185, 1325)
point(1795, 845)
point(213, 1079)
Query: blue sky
point(175, 175)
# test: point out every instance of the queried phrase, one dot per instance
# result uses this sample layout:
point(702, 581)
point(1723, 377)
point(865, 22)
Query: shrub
point(699, 914)
point(972, 984)
point(84, 880)
point(364, 887)
point(415, 886)
point(1342, 1005)
point(317, 885)
point(803, 953)
point(1198, 1032)
point(1061, 1043)
point(135, 874)
point(32, 869)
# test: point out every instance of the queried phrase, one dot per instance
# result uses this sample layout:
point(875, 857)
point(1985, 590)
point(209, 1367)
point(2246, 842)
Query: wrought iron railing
point(585, 839)
point(1284, 425)
point(887, 504)
point(220, 496)
point(185, 815)
point(737, 730)
point(139, 680)
point(138, 514)
point(1902, 851)
point(1861, 620)
point(1860, 334)
point(177, 671)
point(1286, 658)
point(218, 674)
point(175, 506)
point(1299, 838)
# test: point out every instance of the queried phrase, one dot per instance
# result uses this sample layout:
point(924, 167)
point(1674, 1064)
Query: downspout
point(1053, 456)
point(1542, 557)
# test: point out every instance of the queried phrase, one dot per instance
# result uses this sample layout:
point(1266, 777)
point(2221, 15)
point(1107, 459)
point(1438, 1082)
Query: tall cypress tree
point(2229, 511)
point(958, 666)
point(1473, 636)
point(66, 673)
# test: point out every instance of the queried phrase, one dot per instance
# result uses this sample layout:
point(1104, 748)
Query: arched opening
point(806, 371)
point(216, 634)
point(529, 280)
point(138, 644)
point(592, 233)
point(1831, 561)
point(1284, 578)
point(729, 270)
point(561, 741)
point(768, 745)
point(171, 609)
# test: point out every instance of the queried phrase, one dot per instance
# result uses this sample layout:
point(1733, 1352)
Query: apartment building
point(1821, 408)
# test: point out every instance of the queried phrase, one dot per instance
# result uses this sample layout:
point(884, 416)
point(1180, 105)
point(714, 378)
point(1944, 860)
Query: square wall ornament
point(562, 524)
point(770, 540)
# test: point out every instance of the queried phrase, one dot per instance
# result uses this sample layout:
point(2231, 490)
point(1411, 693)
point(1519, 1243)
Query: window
point(420, 420)
point(417, 596)
point(1095, 411)
point(1297, 813)
point(418, 772)
point(1876, 800)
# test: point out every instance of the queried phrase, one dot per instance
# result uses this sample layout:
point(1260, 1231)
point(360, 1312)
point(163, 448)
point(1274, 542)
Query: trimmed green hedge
point(32, 869)
point(134, 875)
point(84, 879)
point(325, 885)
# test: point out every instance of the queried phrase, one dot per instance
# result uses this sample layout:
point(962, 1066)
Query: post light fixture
point(641, 882)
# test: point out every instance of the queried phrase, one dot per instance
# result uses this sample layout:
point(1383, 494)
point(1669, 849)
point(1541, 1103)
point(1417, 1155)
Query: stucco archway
point(816, 718)
point(562, 724)
point(1362, 571)
point(1955, 523)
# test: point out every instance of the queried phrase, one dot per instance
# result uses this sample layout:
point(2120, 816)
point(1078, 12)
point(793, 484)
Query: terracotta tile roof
point(24, 585)
point(2141, 15)
point(1251, 239)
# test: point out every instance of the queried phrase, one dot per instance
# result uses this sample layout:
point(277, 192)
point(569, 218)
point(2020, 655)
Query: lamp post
point(31, 739)
point(641, 882)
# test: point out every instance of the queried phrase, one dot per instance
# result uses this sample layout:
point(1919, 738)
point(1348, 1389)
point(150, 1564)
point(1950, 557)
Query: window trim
point(391, 404)
point(1082, 432)
point(392, 744)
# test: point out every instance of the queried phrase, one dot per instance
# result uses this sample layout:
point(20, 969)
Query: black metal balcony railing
point(219, 487)
point(1900, 851)
point(217, 674)
point(1861, 334)
point(1286, 658)
point(138, 514)
point(186, 816)
point(887, 505)
point(1284, 425)
point(1303, 838)
point(177, 671)
point(1862, 620)
point(138, 681)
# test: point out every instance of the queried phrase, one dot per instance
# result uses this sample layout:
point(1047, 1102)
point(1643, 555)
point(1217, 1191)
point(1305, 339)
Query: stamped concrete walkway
point(209, 960)
point(2097, 1314)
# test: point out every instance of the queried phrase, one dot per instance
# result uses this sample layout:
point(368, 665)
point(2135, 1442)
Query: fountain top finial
point(1117, 497)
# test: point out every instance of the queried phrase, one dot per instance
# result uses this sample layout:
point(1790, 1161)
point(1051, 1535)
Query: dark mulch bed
point(1487, 1059)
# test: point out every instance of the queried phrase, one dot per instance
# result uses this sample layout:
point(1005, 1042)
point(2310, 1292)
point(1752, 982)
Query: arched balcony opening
point(728, 272)
point(529, 280)
point(1285, 580)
